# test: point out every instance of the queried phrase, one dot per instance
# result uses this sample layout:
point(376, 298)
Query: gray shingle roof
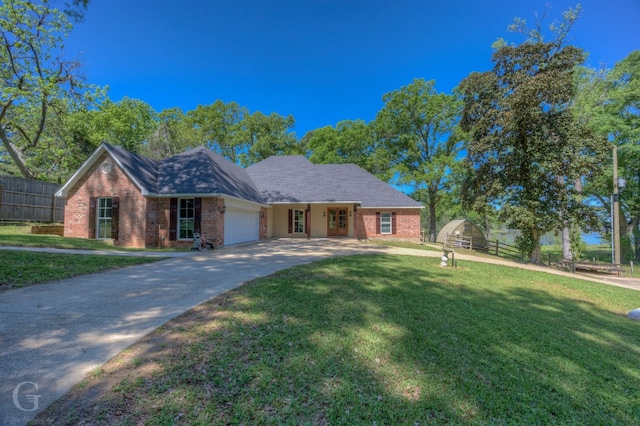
point(144, 170)
point(201, 171)
point(197, 171)
point(294, 179)
point(278, 179)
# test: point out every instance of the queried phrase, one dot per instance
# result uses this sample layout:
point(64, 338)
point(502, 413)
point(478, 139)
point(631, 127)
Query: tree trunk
point(625, 239)
point(432, 223)
point(432, 220)
point(15, 154)
point(536, 255)
point(566, 244)
point(487, 227)
point(634, 237)
point(566, 230)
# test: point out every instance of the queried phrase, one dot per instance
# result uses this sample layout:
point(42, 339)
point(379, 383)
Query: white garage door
point(240, 226)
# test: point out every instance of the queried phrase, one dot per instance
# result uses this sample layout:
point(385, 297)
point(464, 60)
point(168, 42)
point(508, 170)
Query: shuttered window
point(296, 223)
point(103, 221)
point(385, 223)
point(103, 228)
point(184, 218)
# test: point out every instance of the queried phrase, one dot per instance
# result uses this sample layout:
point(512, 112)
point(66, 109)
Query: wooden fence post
point(497, 247)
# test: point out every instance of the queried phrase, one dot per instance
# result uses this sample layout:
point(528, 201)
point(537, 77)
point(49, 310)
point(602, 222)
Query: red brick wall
point(263, 233)
point(95, 183)
point(142, 221)
point(407, 224)
point(211, 223)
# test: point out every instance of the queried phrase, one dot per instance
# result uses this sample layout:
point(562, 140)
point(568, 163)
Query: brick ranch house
point(139, 202)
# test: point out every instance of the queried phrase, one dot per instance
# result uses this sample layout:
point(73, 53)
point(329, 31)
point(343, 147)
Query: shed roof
point(457, 225)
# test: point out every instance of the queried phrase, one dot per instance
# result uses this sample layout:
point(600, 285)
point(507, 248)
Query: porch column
point(308, 221)
point(355, 222)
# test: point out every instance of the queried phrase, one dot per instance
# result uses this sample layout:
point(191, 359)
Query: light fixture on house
point(350, 213)
point(223, 209)
point(324, 214)
point(262, 215)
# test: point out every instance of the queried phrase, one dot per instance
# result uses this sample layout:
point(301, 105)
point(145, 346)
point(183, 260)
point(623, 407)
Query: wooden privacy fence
point(29, 200)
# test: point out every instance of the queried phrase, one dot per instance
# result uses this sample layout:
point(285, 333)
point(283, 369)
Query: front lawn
point(23, 268)
point(20, 235)
point(405, 244)
point(381, 340)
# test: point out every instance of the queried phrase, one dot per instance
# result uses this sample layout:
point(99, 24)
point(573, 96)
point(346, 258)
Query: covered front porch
point(313, 220)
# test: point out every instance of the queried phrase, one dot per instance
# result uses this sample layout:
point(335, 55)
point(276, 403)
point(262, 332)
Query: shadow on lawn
point(392, 340)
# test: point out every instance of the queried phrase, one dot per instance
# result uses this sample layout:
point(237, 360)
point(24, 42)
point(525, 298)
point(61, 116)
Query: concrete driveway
point(52, 335)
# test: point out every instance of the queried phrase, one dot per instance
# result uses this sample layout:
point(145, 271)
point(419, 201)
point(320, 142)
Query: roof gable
point(195, 172)
point(141, 170)
point(201, 171)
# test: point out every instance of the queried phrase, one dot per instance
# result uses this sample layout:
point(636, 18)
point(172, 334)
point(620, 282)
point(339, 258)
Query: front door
point(337, 222)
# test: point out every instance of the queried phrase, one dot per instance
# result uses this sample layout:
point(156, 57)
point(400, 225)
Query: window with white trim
point(186, 218)
point(385, 223)
point(298, 221)
point(104, 218)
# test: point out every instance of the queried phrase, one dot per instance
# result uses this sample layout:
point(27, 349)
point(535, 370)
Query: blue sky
point(321, 61)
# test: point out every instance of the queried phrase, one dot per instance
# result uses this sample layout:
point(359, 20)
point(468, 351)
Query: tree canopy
point(417, 127)
point(611, 101)
point(37, 84)
point(350, 141)
point(527, 152)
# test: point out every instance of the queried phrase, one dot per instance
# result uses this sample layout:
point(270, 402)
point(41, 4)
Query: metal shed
point(462, 233)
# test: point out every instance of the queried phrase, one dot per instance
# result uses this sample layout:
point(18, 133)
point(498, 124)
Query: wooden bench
point(611, 268)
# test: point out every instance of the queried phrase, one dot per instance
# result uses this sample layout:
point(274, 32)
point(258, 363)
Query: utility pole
point(615, 202)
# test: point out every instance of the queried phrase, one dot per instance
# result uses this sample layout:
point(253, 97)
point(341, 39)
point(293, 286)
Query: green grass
point(404, 244)
point(383, 340)
point(597, 252)
point(20, 235)
point(23, 268)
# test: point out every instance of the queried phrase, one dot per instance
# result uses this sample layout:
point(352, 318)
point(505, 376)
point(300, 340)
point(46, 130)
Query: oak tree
point(527, 153)
point(267, 135)
point(36, 82)
point(417, 127)
point(349, 141)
